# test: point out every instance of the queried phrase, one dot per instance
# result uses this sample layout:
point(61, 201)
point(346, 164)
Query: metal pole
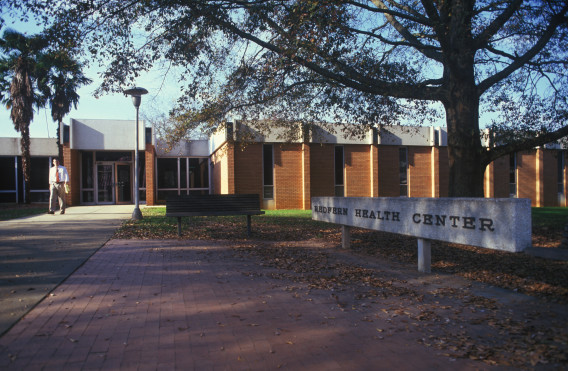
point(136, 214)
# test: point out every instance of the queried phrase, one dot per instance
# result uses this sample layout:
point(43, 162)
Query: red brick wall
point(549, 178)
point(150, 159)
point(248, 169)
point(389, 178)
point(307, 202)
point(71, 160)
point(223, 178)
point(357, 171)
point(526, 175)
point(322, 178)
point(500, 174)
point(288, 187)
point(419, 172)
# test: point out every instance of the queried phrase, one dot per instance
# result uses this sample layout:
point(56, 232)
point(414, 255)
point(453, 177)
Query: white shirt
point(63, 175)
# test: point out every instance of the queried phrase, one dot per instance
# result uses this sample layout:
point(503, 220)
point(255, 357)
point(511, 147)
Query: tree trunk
point(59, 143)
point(461, 103)
point(26, 166)
point(464, 146)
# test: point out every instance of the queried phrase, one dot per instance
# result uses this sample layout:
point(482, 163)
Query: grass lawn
point(551, 217)
point(13, 211)
point(548, 223)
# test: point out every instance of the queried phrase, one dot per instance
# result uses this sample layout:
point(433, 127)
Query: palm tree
point(32, 74)
point(18, 69)
point(60, 86)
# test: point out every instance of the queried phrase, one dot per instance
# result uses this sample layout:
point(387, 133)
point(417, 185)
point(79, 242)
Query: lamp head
point(136, 93)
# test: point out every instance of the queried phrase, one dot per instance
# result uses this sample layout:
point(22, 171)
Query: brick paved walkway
point(149, 305)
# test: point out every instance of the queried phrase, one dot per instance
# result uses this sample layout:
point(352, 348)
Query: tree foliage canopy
point(33, 74)
point(368, 62)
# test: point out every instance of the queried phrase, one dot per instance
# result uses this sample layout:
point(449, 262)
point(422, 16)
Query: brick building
point(398, 161)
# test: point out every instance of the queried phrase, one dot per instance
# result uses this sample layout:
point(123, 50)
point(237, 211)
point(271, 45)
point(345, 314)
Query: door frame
point(113, 193)
point(116, 185)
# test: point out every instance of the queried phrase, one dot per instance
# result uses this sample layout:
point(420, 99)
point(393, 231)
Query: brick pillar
point(150, 171)
point(539, 181)
point(230, 168)
point(374, 168)
point(435, 168)
point(489, 181)
point(306, 185)
point(71, 160)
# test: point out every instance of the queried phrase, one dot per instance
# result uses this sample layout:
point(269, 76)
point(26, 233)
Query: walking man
point(58, 179)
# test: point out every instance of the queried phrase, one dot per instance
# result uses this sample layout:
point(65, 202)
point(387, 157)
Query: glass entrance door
point(123, 184)
point(114, 183)
point(105, 183)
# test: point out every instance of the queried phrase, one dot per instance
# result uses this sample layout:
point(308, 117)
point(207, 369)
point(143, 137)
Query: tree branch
point(483, 38)
point(404, 32)
point(526, 144)
point(518, 63)
point(349, 77)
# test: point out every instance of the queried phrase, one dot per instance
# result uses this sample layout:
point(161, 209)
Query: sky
point(162, 92)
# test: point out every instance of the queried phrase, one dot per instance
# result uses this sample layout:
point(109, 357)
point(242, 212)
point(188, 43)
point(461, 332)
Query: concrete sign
point(501, 224)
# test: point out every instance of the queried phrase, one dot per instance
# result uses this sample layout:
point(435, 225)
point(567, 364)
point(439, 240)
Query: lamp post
point(136, 93)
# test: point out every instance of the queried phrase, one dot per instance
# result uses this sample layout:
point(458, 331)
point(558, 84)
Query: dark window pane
point(163, 195)
point(339, 165)
point(198, 173)
point(268, 192)
point(403, 166)
point(168, 173)
point(512, 168)
point(39, 178)
point(114, 156)
point(87, 169)
point(141, 170)
point(183, 173)
point(8, 171)
point(88, 196)
point(7, 197)
point(39, 196)
point(268, 165)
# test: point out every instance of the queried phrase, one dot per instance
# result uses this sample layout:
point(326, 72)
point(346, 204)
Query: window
point(87, 177)
point(182, 176)
point(8, 167)
point(339, 169)
point(198, 174)
point(39, 179)
point(268, 171)
point(167, 177)
point(513, 175)
point(403, 171)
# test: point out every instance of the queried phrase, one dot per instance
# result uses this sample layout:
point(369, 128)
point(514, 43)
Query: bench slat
point(213, 205)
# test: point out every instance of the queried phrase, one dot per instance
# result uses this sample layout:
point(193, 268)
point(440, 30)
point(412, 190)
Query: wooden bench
point(213, 205)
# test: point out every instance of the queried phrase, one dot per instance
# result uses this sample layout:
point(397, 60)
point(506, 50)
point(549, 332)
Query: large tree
point(19, 65)
point(366, 62)
point(59, 84)
point(34, 73)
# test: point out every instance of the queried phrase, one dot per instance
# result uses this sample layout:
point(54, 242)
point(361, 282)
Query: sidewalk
point(39, 252)
point(208, 305)
point(195, 305)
